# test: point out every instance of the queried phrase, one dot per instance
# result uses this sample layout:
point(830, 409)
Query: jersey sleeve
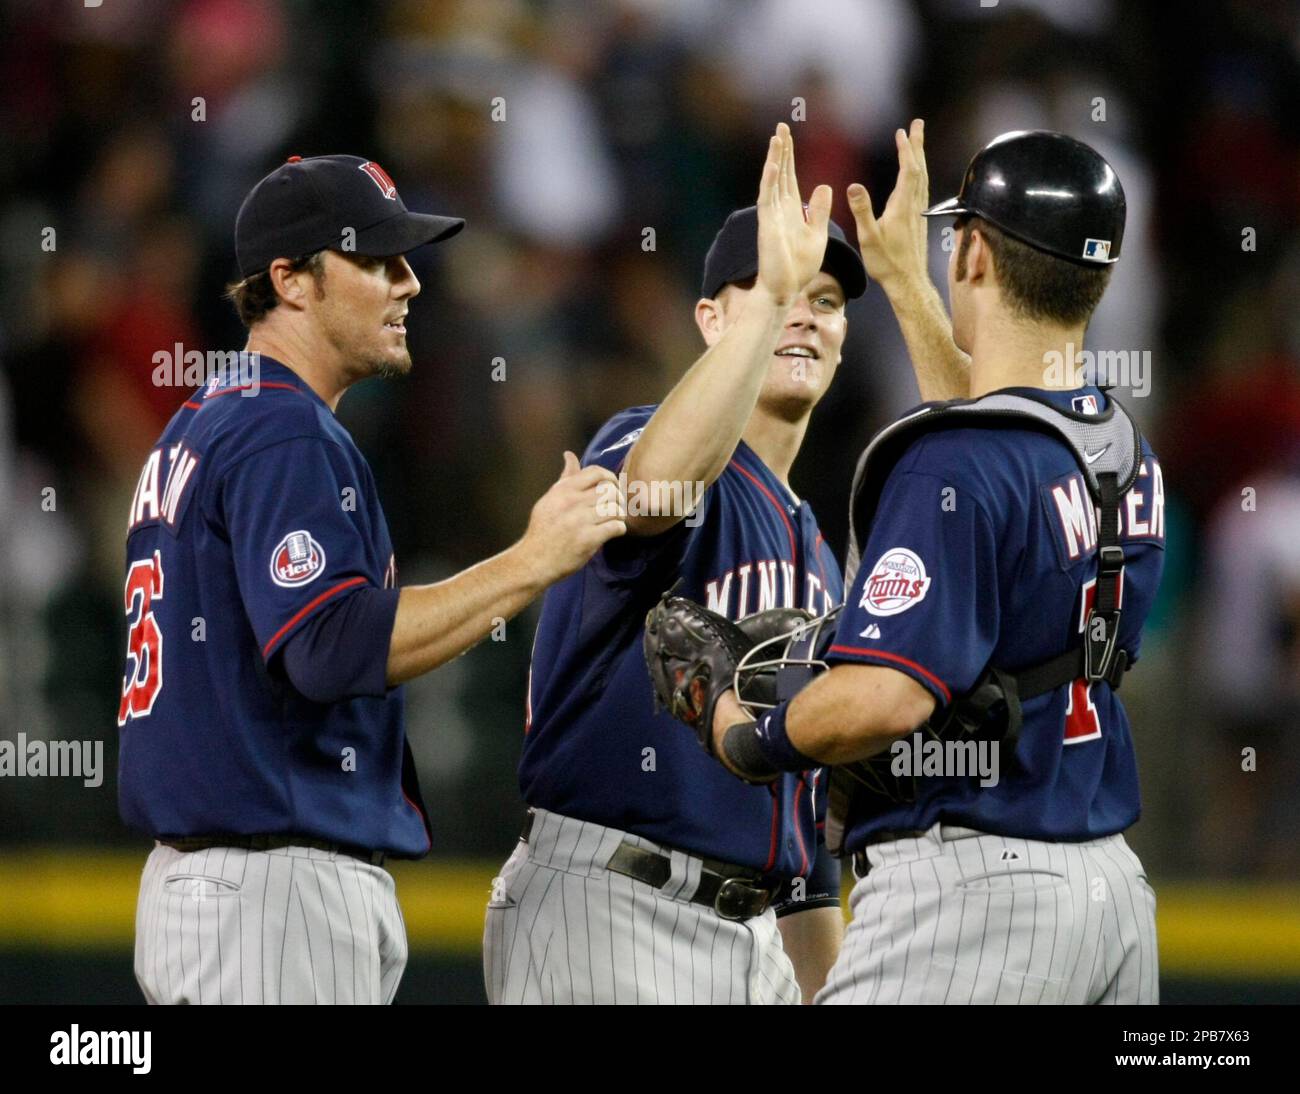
point(341, 651)
point(614, 440)
point(295, 545)
point(821, 887)
point(627, 557)
point(925, 598)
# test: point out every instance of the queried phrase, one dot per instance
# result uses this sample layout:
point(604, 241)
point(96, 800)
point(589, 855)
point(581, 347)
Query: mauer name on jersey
point(1142, 514)
point(157, 498)
point(762, 585)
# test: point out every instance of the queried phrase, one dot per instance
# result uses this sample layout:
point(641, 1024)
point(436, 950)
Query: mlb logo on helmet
point(897, 582)
point(380, 178)
point(1096, 249)
point(296, 560)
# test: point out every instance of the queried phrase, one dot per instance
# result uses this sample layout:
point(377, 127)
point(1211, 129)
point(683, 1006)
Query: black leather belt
point(885, 835)
point(947, 833)
point(734, 892)
point(272, 843)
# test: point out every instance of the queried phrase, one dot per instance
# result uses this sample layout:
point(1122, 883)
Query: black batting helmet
point(1048, 190)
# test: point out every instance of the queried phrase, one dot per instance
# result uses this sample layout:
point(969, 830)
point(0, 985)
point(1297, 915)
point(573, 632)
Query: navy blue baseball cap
point(734, 256)
point(308, 205)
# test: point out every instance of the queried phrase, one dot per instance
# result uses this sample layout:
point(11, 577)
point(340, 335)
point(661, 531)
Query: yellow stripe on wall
point(1229, 929)
point(73, 899)
point(86, 900)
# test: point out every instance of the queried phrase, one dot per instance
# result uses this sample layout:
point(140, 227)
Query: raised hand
point(894, 246)
point(791, 244)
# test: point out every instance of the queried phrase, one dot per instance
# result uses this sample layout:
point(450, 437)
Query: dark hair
point(1035, 284)
point(255, 296)
point(743, 283)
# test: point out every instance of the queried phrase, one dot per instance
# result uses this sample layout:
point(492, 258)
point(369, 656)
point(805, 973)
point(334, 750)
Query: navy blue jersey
point(251, 516)
point(594, 747)
point(983, 550)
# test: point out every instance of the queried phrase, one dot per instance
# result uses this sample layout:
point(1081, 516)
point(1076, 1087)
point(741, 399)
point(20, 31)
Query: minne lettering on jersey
point(762, 585)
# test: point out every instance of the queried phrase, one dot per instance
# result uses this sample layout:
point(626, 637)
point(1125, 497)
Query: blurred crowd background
point(134, 129)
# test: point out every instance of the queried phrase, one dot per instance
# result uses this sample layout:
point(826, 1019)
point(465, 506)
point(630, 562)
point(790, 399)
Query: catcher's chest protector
point(1108, 449)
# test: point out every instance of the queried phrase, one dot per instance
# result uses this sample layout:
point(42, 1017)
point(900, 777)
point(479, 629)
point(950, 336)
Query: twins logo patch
point(296, 560)
point(896, 583)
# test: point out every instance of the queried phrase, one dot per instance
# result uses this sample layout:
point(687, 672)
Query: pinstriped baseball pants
point(562, 929)
point(292, 925)
point(958, 916)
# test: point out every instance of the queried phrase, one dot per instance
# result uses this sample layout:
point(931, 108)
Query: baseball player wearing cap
point(645, 873)
point(1011, 545)
point(262, 738)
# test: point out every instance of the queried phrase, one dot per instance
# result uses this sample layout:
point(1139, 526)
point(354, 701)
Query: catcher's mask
point(774, 670)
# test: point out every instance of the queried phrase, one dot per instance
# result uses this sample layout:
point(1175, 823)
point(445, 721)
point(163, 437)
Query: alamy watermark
point(1076, 368)
point(653, 498)
point(210, 369)
point(119, 1048)
point(921, 755)
point(26, 759)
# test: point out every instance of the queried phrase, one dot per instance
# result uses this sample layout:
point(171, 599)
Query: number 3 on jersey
point(1081, 720)
point(144, 643)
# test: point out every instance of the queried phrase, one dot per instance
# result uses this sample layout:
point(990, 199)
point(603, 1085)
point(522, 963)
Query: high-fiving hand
point(894, 246)
point(791, 245)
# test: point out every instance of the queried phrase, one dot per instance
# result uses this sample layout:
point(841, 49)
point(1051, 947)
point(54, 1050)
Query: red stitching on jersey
point(779, 507)
point(249, 387)
point(424, 821)
point(528, 702)
point(817, 557)
point(771, 850)
point(947, 695)
point(798, 832)
point(266, 650)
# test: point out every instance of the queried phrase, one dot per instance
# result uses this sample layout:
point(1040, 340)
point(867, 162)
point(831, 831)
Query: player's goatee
point(387, 369)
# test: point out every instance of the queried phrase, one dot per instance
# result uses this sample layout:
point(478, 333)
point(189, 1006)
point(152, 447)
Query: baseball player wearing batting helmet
point(262, 737)
point(1005, 552)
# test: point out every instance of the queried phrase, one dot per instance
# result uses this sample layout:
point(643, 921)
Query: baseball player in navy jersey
point(1005, 551)
point(645, 873)
point(261, 713)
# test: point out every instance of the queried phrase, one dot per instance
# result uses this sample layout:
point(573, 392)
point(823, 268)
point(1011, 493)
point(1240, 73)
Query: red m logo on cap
point(380, 178)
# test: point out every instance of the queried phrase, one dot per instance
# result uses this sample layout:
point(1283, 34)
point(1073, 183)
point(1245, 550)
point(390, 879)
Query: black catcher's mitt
point(692, 654)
